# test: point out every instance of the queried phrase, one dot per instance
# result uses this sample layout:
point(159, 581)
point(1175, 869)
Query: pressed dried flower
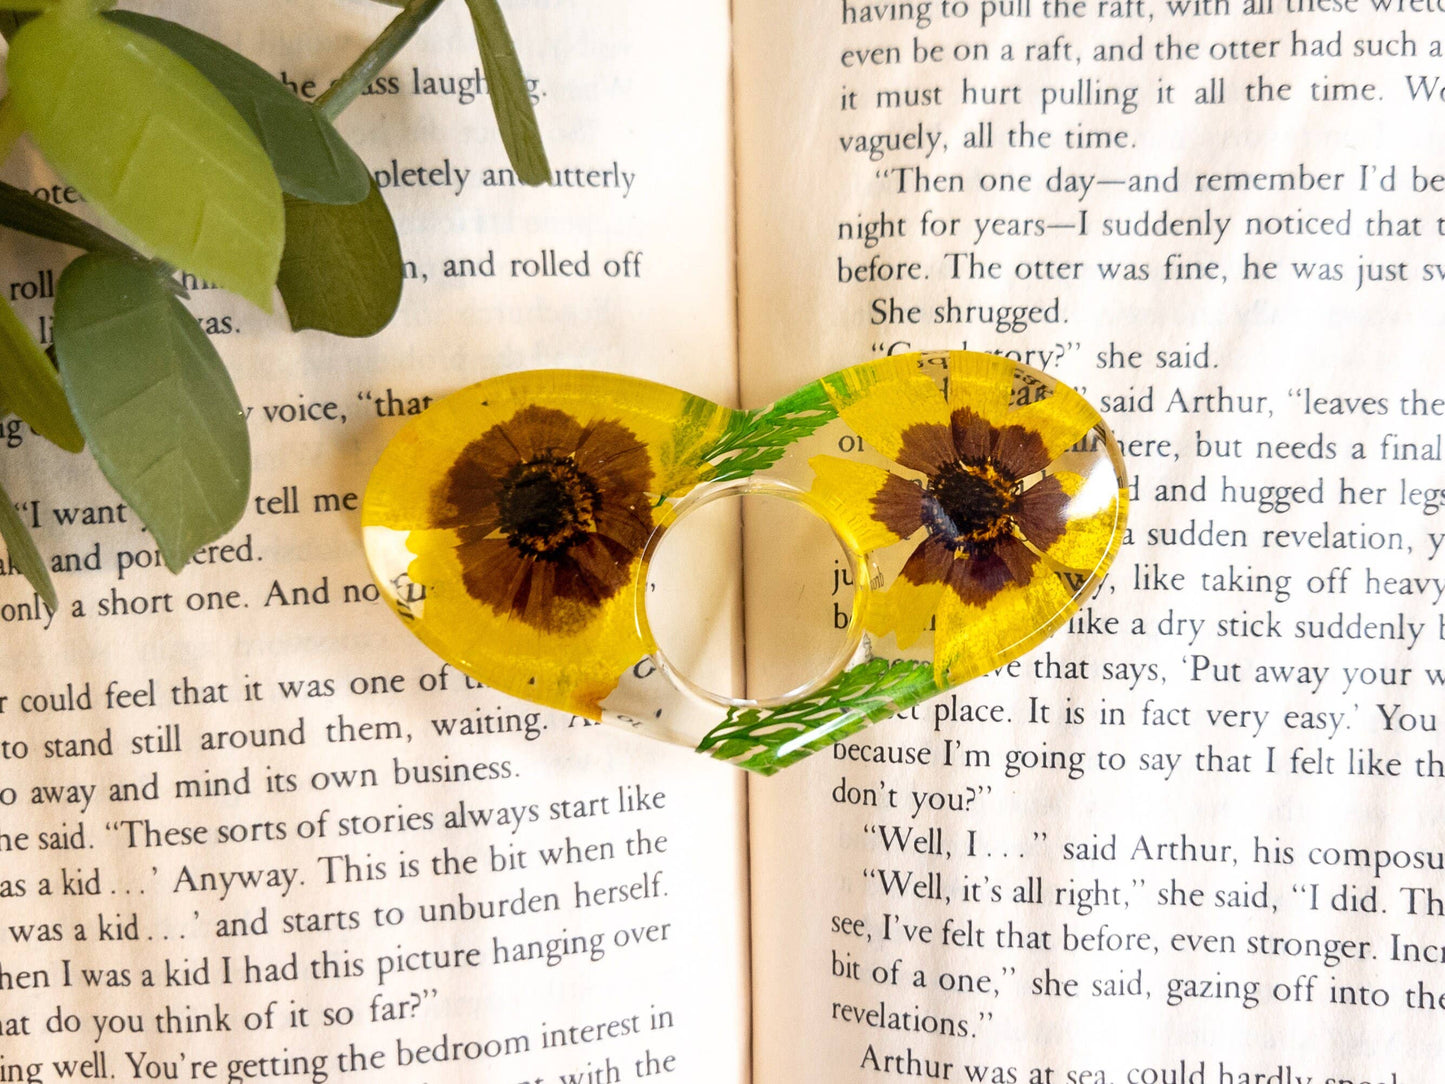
point(1000, 527)
point(526, 524)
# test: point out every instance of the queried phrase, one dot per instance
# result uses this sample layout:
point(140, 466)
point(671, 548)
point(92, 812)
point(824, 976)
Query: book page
point(250, 828)
point(1193, 838)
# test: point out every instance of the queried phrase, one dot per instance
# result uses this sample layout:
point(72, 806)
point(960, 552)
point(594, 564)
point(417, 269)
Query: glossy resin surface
point(976, 501)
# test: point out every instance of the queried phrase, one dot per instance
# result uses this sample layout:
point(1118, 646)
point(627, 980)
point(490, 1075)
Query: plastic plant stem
point(375, 57)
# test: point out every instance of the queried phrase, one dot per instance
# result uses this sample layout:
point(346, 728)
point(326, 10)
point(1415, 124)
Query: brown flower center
point(546, 505)
point(964, 507)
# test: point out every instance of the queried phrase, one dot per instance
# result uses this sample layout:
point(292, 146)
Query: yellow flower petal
point(1092, 534)
point(400, 492)
point(699, 425)
point(673, 425)
point(981, 382)
point(572, 671)
point(880, 400)
point(905, 609)
point(845, 489)
point(1060, 420)
point(847, 386)
point(969, 641)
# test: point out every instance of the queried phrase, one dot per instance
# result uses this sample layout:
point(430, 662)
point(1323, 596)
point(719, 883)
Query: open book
point(250, 829)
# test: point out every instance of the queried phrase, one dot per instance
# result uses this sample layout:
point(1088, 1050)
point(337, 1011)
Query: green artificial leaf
point(30, 214)
point(511, 101)
point(154, 402)
point(11, 21)
point(21, 549)
point(312, 161)
point(143, 135)
point(341, 271)
point(29, 386)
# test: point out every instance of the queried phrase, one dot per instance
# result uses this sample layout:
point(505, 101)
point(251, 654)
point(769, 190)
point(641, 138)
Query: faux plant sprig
point(207, 164)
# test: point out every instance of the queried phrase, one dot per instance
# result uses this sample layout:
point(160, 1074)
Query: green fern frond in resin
point(756, 439)
point(766, 740)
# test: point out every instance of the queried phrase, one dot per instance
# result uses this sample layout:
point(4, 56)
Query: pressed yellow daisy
point(549, 516)
point(996, 523)
point(523, 525)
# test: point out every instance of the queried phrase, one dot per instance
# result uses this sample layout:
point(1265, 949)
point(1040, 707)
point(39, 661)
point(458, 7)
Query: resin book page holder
point(512, 526)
